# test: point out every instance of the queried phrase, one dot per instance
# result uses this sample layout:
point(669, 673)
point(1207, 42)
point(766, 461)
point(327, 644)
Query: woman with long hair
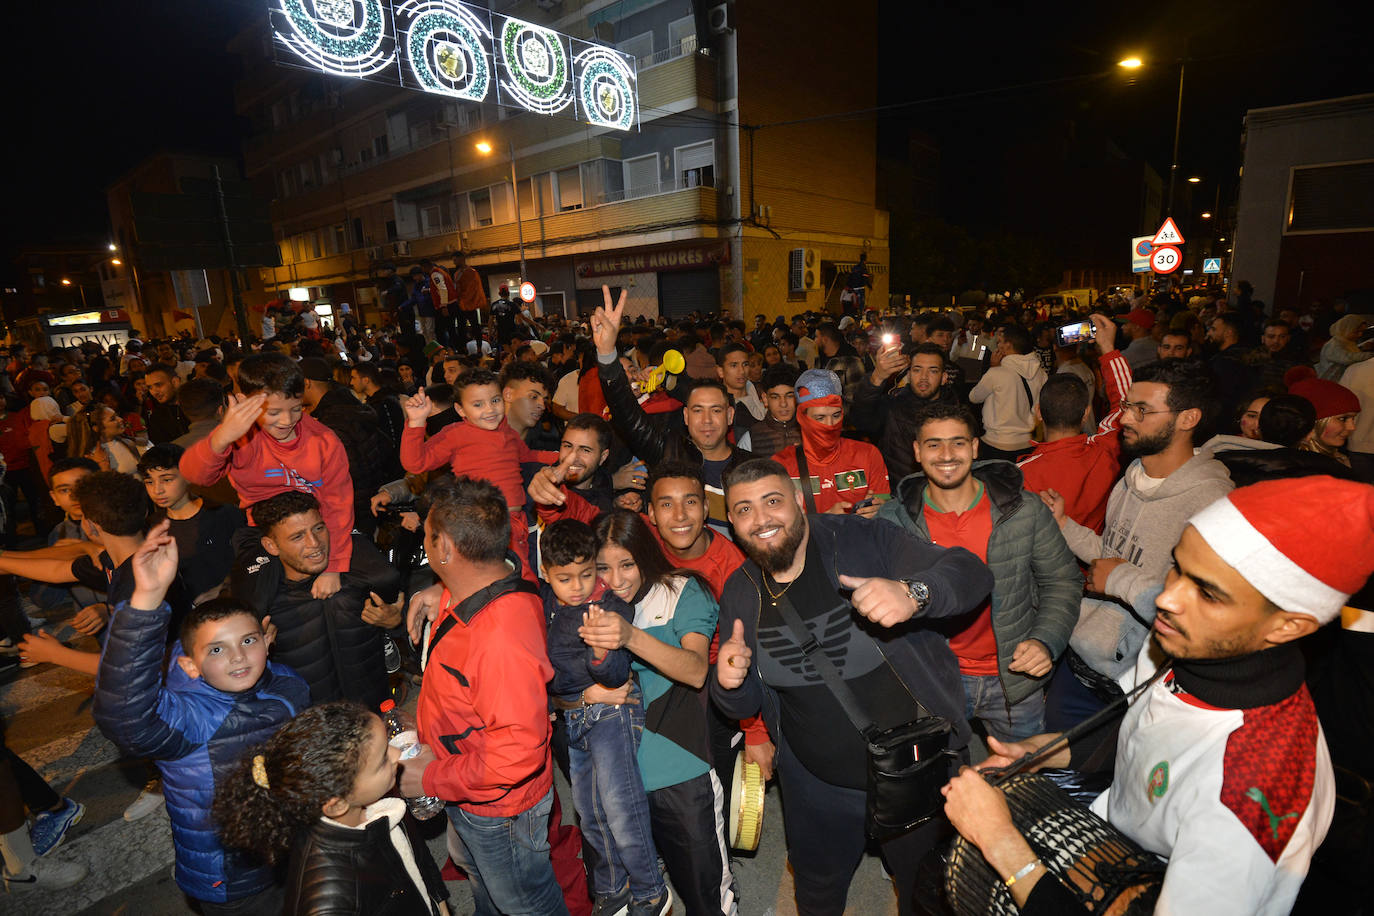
point(99, 433)
point(675, 618)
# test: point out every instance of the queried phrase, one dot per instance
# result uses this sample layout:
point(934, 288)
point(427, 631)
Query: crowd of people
point(1004, 519)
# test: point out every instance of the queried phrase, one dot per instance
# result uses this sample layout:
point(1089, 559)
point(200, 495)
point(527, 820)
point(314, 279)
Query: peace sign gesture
point(606, 322)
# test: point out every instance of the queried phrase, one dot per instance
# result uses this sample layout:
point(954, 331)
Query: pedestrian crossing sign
point(1211, 265)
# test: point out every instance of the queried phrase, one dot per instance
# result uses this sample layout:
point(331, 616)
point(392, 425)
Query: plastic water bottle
point(422, 807)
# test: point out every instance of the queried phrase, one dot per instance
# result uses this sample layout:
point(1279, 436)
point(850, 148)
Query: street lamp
point(1133, 63)
point(485, 149)
point(1206, 215)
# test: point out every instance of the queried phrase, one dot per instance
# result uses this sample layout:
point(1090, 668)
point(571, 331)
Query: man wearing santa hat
point(1222, 767)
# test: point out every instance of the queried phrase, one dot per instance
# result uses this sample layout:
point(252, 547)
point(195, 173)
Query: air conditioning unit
point(803, 270)
point(448, 116)
point(401, 248)
point(718, 19)
point(375, 253)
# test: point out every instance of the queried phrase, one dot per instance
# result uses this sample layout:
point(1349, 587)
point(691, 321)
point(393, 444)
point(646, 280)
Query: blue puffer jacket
point(195, 734)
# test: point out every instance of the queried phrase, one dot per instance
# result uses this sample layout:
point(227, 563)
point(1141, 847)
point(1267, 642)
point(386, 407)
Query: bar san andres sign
point(676, 257)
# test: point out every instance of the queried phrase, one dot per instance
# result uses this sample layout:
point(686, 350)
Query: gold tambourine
point(746, 805)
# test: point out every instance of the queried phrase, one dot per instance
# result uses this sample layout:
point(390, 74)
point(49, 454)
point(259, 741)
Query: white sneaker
point(148, 801)
point(46, 875)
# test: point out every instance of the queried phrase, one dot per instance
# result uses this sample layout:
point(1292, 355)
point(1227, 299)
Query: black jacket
point(324, 640)
point(165, 423)
point(373, 459)
point(390, 414)
point(653, 439)
point(344, 872)
point(918, 652)
point(889, 416)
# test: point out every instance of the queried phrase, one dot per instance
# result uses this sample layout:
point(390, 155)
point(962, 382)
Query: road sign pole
point(240, 318)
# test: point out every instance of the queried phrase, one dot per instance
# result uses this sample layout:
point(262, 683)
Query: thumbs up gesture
point(732, 664)
point(883, 601)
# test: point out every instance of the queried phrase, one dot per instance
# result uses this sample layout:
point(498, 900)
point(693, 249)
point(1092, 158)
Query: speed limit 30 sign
point(1165, 259)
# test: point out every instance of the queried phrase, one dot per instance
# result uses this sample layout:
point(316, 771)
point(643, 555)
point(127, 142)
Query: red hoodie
point(1083, 468)
point(260, 466)
point(841, 470)
point(493, 455)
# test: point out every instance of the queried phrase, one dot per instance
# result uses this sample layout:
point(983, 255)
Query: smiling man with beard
point(335, 643)
point(1166, 412)
point(878, 635)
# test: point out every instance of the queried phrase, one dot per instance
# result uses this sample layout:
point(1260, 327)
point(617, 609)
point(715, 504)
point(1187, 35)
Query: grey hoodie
point(1142, 528)
point(1007, 415)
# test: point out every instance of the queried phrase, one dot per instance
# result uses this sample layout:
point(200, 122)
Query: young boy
point(603, 740)
point(203, 529)
point(66, 473)
point(483, 446)
point(221, 698)
point(268, 446)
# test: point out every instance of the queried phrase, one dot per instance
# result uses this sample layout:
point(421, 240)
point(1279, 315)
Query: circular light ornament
point(537, 76)
point(605, 89)
point(343, 37)
point(445, 48)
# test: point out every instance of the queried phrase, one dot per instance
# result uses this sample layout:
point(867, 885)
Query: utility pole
point(240, 318)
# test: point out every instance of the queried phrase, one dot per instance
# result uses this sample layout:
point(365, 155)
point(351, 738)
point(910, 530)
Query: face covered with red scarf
point(822, 425)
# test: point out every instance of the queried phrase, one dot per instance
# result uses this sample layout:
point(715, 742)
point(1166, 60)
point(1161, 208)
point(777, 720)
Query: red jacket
point(856, 473)
point(493, 455)
point(470, 294)
point(484, 705)
point(441, 289)
point(1083, 469)
point(260, 466)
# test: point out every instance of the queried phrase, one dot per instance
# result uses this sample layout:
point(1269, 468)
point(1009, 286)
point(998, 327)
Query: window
point(481, 207)
point(529, 205)
point(358, 240)
point(1332, 198)
point(641, 46)
point(696, 165)
point(432, 219)
point(340, 239)
point(380, 146)
point(391, 234)
point(569, 190)
point(364, 155)
point(682, 34)
point(641, 176)
point(316, 247)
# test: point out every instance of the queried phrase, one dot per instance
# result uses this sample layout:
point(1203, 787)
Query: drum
point(1105, 870)
point(746, 805)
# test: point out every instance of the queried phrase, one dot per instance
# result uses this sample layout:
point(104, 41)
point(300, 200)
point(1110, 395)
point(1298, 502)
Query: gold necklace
point(775, 598)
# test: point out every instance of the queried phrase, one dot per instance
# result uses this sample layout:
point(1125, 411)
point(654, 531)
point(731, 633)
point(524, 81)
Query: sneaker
point(659, 906)
point(46, 875)
point(50, 827)
point(148, 801)
point(391, 654)
point(616, 905)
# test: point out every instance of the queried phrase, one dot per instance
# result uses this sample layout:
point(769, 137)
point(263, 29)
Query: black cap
point(316, 369)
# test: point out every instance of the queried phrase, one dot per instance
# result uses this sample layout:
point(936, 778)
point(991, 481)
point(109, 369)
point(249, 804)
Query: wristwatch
point(919, 592)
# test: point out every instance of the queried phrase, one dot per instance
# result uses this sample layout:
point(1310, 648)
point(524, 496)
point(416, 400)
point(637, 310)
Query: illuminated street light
point(484, 147)
point(66, 282)
point(1194, 180)
point(1135, 63)
point(114, 247)
point(116, 262)
point(1130, 63)
point(1206, 216)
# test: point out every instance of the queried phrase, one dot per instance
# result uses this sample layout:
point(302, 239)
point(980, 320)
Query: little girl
point(319, 788)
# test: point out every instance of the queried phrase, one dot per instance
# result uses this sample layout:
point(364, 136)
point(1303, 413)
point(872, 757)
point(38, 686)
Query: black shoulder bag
point(805, 473)
point(908, 764)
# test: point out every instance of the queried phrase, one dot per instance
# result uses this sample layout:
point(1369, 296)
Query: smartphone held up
point(1069, 335)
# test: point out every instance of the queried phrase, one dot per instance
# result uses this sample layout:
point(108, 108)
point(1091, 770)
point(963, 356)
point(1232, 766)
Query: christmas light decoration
point(343, 37)
point(606, 89)
point(442, 43)
point(536, 65)
point(452, 49)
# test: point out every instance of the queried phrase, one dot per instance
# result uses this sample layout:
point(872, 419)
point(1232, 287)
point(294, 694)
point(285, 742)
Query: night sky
point(118, 81)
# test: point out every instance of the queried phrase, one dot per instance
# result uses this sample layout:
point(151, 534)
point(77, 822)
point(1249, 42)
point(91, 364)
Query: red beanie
point(1331, 399)
point(1297, 374)
point(1307, 543)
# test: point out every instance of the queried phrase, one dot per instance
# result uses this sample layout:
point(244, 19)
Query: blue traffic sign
point(1211, 265)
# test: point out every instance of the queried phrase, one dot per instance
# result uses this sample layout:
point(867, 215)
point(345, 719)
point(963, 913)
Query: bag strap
point(1030, 398)
point(805, 473)
point(825, 668)
point(998, 776)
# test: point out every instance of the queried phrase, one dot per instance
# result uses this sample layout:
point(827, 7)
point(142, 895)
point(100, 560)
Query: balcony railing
point(650, 190)
point(681, 49)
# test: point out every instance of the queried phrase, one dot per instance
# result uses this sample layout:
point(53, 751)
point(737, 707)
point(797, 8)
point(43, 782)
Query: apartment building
point(737, 192)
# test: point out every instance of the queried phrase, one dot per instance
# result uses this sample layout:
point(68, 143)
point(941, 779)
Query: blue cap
point(817, 383)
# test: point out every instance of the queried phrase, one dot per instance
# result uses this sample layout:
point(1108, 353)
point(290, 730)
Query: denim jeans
point(986, 701)
point(603, 741)
point(507, 859)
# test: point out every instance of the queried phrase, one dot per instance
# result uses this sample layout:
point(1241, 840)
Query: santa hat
point(1307, 543)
